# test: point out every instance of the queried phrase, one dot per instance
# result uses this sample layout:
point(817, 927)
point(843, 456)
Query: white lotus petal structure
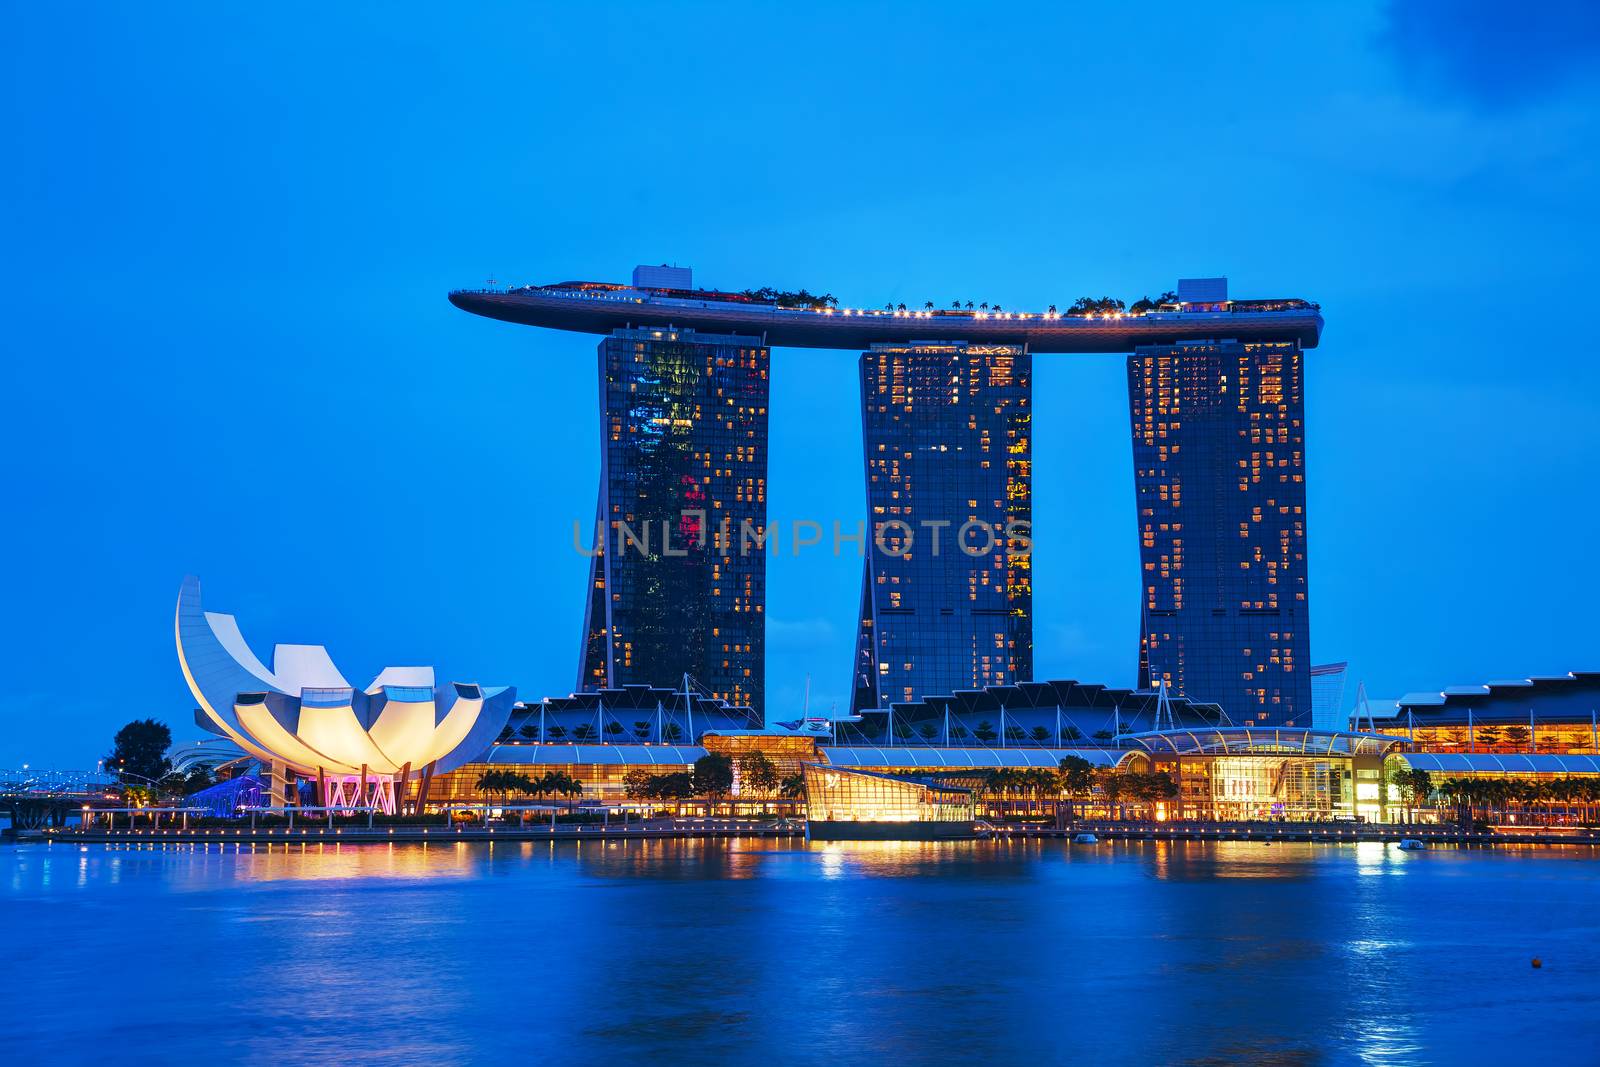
point(303, 714)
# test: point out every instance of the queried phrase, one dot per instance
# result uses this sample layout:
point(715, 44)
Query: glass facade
point(1219, 470)
point(946, 599)
point(835, 795)
point(679, 584)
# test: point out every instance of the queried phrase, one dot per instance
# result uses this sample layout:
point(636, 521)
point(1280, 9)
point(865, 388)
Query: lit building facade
point(946, 600)
point(678, 585)
point(1549, 714)
point(300, 719)
point(1219, 470)
point(855, 805)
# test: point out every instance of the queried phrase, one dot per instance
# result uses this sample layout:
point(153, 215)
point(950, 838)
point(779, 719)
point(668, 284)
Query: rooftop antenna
point(1163, 708)
point(1363, 707)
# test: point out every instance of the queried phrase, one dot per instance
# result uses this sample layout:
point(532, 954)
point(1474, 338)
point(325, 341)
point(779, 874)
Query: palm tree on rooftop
point(969, 305)
point(927, 305)
point(981, 307)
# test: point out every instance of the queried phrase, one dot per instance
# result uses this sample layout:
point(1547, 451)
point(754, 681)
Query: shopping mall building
point(405, 742)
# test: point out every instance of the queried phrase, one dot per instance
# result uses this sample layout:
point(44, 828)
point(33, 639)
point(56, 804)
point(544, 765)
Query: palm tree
point(969, 305)
point(955, 305)
point(793, 787)
point(556, 783)
point(641, 730)
point(927, 305)
point(983, 306)
point(1070, 732)
point(491, 782)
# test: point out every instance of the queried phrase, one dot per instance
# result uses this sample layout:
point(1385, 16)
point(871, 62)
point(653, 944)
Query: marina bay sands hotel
point(677, 584)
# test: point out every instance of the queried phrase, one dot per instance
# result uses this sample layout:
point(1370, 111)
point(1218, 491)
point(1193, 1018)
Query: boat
point(1085, 838)
point(1411, 844)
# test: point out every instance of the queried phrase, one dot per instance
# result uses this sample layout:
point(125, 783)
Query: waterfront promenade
point(1105, 830)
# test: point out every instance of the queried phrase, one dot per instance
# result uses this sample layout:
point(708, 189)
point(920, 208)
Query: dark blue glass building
point(679, 584)
point(1219, 469)
point(946, 599)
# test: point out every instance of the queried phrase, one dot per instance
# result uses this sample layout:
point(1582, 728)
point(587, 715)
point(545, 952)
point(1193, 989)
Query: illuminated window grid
point(686, 429)
point(1218, 435)
point(835, 794)
point(948, 438)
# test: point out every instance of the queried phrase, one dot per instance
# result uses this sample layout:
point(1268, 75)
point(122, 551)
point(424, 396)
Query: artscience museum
point(303, 720)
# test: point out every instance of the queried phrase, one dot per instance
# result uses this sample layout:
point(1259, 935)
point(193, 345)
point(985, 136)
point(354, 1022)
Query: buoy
point(1537, 963)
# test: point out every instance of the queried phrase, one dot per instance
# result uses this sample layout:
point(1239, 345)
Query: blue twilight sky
point(229, 230)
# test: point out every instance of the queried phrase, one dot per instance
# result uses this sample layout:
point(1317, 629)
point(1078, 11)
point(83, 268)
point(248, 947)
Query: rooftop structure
point(1547, 714)
point(653, 300)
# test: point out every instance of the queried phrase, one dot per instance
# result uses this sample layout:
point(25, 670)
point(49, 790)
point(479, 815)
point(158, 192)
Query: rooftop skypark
point(665, 296)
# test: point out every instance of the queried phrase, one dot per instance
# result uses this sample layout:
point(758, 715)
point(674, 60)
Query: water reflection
point(726, 951)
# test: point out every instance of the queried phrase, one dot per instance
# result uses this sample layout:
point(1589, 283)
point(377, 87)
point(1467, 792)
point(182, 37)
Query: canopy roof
point(558, 754)
point(1493, 763)
point(1050, 758)
point(1264, 740)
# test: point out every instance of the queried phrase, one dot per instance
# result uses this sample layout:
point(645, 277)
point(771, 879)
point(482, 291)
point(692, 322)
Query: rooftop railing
point(1238, 307)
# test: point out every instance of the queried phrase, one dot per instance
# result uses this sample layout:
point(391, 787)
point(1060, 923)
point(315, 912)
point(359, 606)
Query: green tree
point(1102, 735)
point(556, 731)
point(638, 784)
point(613, 729)
point(673, 732)
point(490, 782)
point(1517, 736)
point(529, 731)
point(641, 730)
point(1071, 733)
point(1077, 776)
point(555, 783)
point(1040, 734)
point(793, 787)
point(758, 774)
point(713, 777)
point(582, 732)
point(1414, 787)
point(985, 731)
point(676, 786)
point(139, 751)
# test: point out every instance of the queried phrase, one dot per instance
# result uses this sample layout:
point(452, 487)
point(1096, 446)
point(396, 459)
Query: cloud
point(1493, 56)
